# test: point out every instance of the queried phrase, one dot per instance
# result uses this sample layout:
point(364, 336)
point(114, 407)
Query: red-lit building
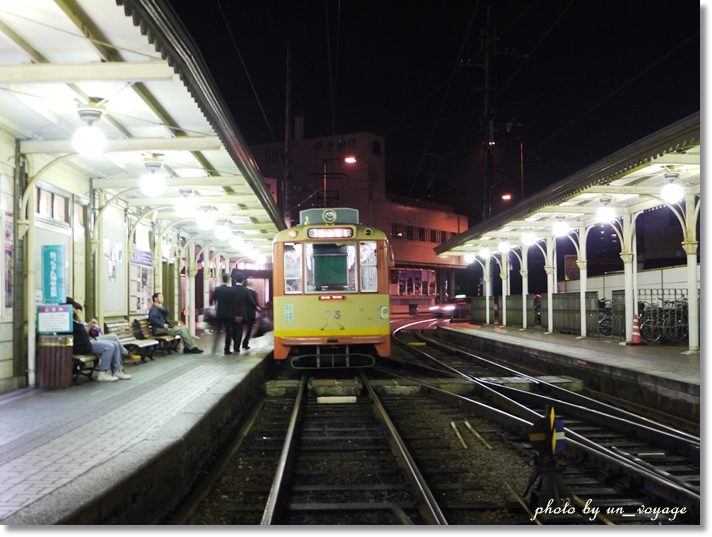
point(319, 176)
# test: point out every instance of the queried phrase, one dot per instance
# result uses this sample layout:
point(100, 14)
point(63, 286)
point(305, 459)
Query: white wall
point(665, 278)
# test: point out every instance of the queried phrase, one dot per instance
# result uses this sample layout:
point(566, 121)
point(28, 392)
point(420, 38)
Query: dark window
point(421, 234)
point(377, 148)
point(410, 233)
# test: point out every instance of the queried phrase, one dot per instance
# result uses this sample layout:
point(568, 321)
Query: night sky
point(582, 78)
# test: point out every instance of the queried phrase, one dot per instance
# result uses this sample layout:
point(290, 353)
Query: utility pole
point(488, 45)
point(488, 41)
point(287, 208)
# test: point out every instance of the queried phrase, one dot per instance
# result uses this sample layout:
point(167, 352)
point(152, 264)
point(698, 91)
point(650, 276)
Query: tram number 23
point(336, 314)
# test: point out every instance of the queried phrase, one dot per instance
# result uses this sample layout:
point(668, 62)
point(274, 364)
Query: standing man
point(243, 300)
point(158, 319)
point(224, 312)
point(252, 308)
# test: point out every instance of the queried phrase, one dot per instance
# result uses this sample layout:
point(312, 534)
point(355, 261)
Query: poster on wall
point(140, 282)
point(9, 266)
point(572, 271)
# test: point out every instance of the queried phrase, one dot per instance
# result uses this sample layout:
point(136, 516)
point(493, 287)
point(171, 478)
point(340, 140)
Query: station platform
point(123, 452)
point(657, 376)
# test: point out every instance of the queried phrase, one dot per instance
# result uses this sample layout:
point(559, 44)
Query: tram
point(331, 291)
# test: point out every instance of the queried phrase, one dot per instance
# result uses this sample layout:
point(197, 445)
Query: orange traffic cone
point(635, 337)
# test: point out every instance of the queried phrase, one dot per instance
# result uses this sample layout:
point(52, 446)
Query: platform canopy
point(132, 63)
point(631, 180)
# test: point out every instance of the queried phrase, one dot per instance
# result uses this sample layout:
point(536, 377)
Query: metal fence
point(662, 314)
point(567, 313)
point(514, 311)
point(478, 312)
point(618, 314)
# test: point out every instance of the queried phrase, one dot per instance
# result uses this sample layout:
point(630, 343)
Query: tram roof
point(134, 59)
point(631, 178)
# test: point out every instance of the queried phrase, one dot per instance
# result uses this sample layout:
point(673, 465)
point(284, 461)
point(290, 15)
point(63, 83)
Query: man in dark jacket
point(158, 319)
point(251, 309)
point(243, 301)
point(224, 296)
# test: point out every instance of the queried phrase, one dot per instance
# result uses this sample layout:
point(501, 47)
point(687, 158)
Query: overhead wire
point(636, 77)
point(442, 104)
point(249, 79)
point(335, 63)
point(532, 52)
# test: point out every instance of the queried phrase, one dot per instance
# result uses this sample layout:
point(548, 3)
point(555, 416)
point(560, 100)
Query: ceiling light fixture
point(89, 140)
point(469, 258)
point(560, 228)
point(672, 192)
point(223, 232)
point(153, 185)
point(605, 214)
point(528, 238)
point(485, 253)
point(503, 246)
point(236, 242)
point(205, 219)
point(187, 205)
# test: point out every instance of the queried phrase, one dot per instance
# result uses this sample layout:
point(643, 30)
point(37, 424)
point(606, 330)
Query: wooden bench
point(167, 344)
point(141, 347)
point(85, 365)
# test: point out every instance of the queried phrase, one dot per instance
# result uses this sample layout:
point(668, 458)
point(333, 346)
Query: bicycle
point(605, 317)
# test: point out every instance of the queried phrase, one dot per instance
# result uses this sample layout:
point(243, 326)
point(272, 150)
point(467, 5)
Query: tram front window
point(330, 266)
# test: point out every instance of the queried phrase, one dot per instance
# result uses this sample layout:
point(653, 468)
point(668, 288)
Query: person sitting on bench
point(158, 318)
point(110, 351)
point(92, 327)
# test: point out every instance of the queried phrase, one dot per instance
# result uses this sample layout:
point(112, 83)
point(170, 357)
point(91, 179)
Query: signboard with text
point(53, 274)
point(53, 319)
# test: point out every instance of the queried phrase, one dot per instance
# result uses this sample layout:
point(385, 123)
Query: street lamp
point(347, 160)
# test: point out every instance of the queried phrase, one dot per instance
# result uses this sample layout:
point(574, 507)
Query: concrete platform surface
point(81, 455)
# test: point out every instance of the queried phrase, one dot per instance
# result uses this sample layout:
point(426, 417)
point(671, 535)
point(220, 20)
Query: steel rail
point(277, 490)
point(510, 403)
point(429, 508)
point(654, 480)
point(571, 397)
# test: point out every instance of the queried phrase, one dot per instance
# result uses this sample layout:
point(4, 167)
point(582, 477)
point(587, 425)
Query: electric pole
point(287, 204)
point(488, 45)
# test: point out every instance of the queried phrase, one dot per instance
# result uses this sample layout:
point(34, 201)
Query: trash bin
point(54, 361)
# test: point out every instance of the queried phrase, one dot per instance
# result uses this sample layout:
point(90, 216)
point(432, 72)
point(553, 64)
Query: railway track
point(658, 459)
point(372, 461)
point(423, 455)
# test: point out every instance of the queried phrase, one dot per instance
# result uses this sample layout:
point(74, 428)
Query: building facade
point(314, 173)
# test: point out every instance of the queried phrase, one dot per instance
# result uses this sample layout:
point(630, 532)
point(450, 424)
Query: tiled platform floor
point(48, 438)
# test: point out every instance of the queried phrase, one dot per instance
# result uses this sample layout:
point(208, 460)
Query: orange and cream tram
point(331, 283)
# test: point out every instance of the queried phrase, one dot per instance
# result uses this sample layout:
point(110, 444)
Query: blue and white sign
point(53, 275)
